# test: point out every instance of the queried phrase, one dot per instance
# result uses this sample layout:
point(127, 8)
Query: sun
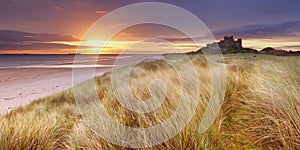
point(101, 47)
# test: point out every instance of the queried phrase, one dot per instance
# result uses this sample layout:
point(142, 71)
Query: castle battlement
point(230, 42)
point(228, 45)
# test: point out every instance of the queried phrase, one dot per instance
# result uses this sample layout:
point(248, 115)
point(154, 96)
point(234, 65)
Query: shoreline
point(20, 86)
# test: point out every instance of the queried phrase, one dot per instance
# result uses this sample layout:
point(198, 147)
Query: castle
point(230, 42)
point(228, 45)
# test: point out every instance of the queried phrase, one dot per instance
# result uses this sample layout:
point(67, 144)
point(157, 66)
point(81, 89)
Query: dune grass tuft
point(261, 109)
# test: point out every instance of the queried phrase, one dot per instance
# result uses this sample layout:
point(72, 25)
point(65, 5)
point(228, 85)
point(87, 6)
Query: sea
point(69, 61)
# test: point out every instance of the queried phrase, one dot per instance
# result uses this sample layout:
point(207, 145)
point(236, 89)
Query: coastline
point(20, 86)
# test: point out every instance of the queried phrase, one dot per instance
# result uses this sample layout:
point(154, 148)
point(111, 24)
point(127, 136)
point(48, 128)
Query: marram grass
point(261, 109)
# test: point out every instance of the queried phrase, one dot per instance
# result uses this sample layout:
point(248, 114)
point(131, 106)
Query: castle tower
point(239, 43)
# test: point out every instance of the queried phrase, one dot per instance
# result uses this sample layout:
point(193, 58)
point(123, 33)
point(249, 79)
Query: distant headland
point(229, 45)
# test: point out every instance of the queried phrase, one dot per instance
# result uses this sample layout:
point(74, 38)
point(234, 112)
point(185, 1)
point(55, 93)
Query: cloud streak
point(284, 29)
point(17, 36)
point(290, 47)
point(35, 46)
point(16, 40)
point(253, 31)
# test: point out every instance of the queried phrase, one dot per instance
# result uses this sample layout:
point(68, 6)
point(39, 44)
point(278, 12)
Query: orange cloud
point(100, 11)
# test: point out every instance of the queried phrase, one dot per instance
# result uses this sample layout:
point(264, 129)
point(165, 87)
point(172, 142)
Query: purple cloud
point(16, 40)
point(262, 30)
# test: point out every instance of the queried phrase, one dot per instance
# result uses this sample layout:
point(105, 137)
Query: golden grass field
point(261, 109)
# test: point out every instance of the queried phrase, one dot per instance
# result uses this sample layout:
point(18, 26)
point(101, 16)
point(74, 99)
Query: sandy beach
point(20, 86)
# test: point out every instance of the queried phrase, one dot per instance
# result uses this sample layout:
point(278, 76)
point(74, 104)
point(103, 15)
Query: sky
point(58, 26)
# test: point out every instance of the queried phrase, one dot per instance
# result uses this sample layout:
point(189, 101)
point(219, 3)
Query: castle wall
point(229, 41)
